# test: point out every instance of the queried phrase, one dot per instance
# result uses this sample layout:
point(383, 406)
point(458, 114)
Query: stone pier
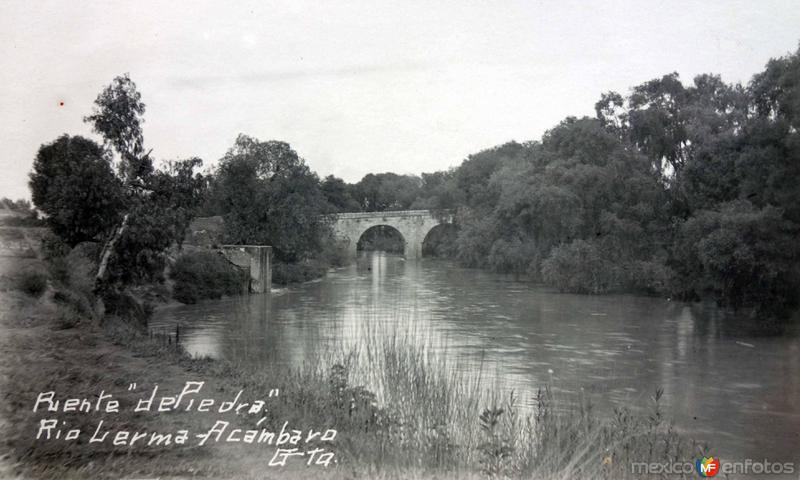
point(256, 260)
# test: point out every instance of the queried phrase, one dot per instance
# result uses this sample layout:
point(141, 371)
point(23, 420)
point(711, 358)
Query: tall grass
point(401, 407)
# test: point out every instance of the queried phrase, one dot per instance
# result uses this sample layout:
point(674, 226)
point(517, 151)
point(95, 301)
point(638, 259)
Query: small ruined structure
point(413, 225)
point(206, 233)
point(255, 260)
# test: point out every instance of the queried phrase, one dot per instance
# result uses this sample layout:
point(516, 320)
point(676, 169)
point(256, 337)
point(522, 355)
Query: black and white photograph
point(347, 240)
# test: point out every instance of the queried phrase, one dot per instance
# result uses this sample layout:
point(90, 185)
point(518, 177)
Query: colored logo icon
point(707, 466)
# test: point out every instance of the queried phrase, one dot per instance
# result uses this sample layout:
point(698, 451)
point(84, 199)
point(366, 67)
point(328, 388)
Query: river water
point(735, 390)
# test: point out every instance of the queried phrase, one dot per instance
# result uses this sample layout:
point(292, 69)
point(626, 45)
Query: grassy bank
point(401, 411)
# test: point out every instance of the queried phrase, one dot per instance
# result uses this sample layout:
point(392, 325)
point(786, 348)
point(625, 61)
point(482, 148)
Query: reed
point(400, 407)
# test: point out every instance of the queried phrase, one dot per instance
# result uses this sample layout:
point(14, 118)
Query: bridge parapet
point(393, 214)
point(413, 225)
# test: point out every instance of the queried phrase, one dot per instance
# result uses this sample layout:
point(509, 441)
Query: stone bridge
point(413, 225)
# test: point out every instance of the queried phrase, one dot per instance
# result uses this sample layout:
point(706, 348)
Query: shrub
point(744, 256)
point(334, 252)
point(68, 318)
point(286, 273)
point(74, 301)
point(33, 282)
point(125, 306)
point(201, 275)
point(511, 255)
point(579, 267)
point(53, 246)
point(651, 277)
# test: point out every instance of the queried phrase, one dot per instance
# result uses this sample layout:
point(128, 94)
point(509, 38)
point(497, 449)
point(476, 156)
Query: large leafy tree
point(269, 196)
point(158, 220)
point(730, 158)
point(386, 191)
point(73, 184)
point(741, 255)
point(339, 195)
point(439, 191)
point(582, 188)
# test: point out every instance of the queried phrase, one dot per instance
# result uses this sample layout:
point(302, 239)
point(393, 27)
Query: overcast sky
point(357, 87)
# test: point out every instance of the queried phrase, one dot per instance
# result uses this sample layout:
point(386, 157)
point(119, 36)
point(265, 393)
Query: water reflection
point(739, 393)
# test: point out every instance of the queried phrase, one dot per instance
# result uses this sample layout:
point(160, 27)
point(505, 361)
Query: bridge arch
point(382, 237)
point(440, 240)
point(413, 225)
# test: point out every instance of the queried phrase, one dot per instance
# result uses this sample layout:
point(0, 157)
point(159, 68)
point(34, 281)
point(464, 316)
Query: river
point(735, 390)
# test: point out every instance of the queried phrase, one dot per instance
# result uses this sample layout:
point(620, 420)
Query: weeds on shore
point(427, 414)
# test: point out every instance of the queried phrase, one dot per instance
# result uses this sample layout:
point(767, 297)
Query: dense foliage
point(136, 211)
point(268, 196)
point(679, 190)
point(73, 184)
point(204, 275)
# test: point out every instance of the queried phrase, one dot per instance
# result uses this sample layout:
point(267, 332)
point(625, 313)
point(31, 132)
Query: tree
point(73, 184)
point(158, 221)
point(269, 196)
point(118, 117)
point(181, 188)
point(472, 177)
point(386, 191)
point(157, 205)
point(339, 195)
point(742, 255)
point(438, 192)
point(776, 90)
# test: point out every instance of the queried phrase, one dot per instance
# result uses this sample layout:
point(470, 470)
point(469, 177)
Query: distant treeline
point(685, 191)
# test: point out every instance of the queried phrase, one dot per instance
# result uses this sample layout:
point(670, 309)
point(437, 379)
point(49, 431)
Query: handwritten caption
point(311, 445)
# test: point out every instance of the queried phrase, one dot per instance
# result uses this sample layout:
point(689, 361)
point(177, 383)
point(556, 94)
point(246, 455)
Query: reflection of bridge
point(413, 225)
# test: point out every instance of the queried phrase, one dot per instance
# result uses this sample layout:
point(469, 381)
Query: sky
point(357, 87)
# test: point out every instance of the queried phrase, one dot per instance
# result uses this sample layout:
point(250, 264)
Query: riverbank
point(398, 410)
point(47, 348)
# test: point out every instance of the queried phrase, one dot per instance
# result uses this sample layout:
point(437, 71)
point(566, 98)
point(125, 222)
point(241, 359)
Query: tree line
point(688, 191)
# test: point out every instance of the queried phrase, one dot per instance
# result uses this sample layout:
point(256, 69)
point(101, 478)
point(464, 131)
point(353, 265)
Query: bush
point(33, 282)
point(126, 306)
point(74, 301)
point(511, 255)
point(579, 267)
point(334, 252)
point(201, 275)
point(742, 255)
point(53, 246)
point(651, 277)
point(286, 273)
